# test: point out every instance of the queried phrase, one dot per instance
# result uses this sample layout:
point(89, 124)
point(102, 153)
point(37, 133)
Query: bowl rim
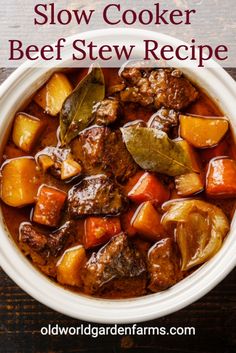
point(123, 311)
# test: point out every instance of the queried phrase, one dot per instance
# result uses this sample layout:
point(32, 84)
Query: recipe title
point(114, 14)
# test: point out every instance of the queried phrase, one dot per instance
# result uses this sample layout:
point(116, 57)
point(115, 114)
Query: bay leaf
point(77, 109)
point(152, 150)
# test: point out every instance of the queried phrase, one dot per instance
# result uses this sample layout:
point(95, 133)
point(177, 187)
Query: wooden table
point(214, 318)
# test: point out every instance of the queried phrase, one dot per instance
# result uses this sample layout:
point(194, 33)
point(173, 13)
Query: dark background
point(214, 318)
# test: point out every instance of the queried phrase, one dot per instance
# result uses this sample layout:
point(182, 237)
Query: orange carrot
point(221, 177)
point(147, 222)
point(132, 181)
point(149, 188)
point(49, 205)
point(98, 230)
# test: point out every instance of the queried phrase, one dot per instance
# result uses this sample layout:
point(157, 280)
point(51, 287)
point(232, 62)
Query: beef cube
point(58, 239)
point(107, 112)
point(117, 260)
point(163, 265)
point(46, 244)
point(172, 89)
point(117, 157)
point(102, 150)
point(89, 148)
point(96, 195)
point(132, 75)
point(160, 87)
point(164, 119)
point(35, 240)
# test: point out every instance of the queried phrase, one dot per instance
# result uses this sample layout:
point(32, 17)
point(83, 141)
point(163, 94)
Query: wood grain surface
point(214, 318)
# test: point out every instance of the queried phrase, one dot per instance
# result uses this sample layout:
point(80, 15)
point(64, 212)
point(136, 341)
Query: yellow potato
point(69, 266)
point(45, 162)
point(19, 182)
point(203, 132)
point(147, 222)
point(26, 131)
point(53, 94)
point(69, 169)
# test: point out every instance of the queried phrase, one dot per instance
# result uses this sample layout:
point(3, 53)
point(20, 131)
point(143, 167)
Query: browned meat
point(37, 241)
point(118, 259)
point(107, 112)
point(117, 158)
point(102, 150)
point(163, 265)
point(58, 155)
point(45, 245)
point(164, 119)
point(89, 147)
point(96, 195)
point(160, 87)
point(132, 75)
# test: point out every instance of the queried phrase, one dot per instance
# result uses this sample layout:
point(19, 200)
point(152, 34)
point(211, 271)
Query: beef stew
point(118, 184)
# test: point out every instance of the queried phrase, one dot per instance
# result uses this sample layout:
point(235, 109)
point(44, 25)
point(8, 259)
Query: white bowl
point(20, 86)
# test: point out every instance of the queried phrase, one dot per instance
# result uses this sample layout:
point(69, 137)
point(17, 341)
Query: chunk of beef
point(102, 150)
point(35, 240)
point(108, 111)
point(43, 244)
point(89, 148)
point(132, 75)
point(163, 265)
point(58, 155)
point(97, 195)
point(160, 87)
point(164, 119)
point(117, 159)
point(117, 260)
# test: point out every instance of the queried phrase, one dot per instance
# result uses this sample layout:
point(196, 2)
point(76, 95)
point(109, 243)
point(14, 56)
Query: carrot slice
point(132, 181)
point(98, 230)
point(221, 176)
point(49, 205)
point(149, 188)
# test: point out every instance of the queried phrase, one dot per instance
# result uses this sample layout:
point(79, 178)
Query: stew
point(119, 183)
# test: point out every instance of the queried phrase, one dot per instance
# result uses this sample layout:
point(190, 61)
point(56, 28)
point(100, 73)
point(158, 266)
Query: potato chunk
point(45, 162)
point(147, 222)
point(20, 182)
point(69, 266)
point(53, 94)
point(201, 131)
point(26, 131)
point(69, 169)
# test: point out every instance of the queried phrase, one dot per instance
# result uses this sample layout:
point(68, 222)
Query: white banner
point(29, 28)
